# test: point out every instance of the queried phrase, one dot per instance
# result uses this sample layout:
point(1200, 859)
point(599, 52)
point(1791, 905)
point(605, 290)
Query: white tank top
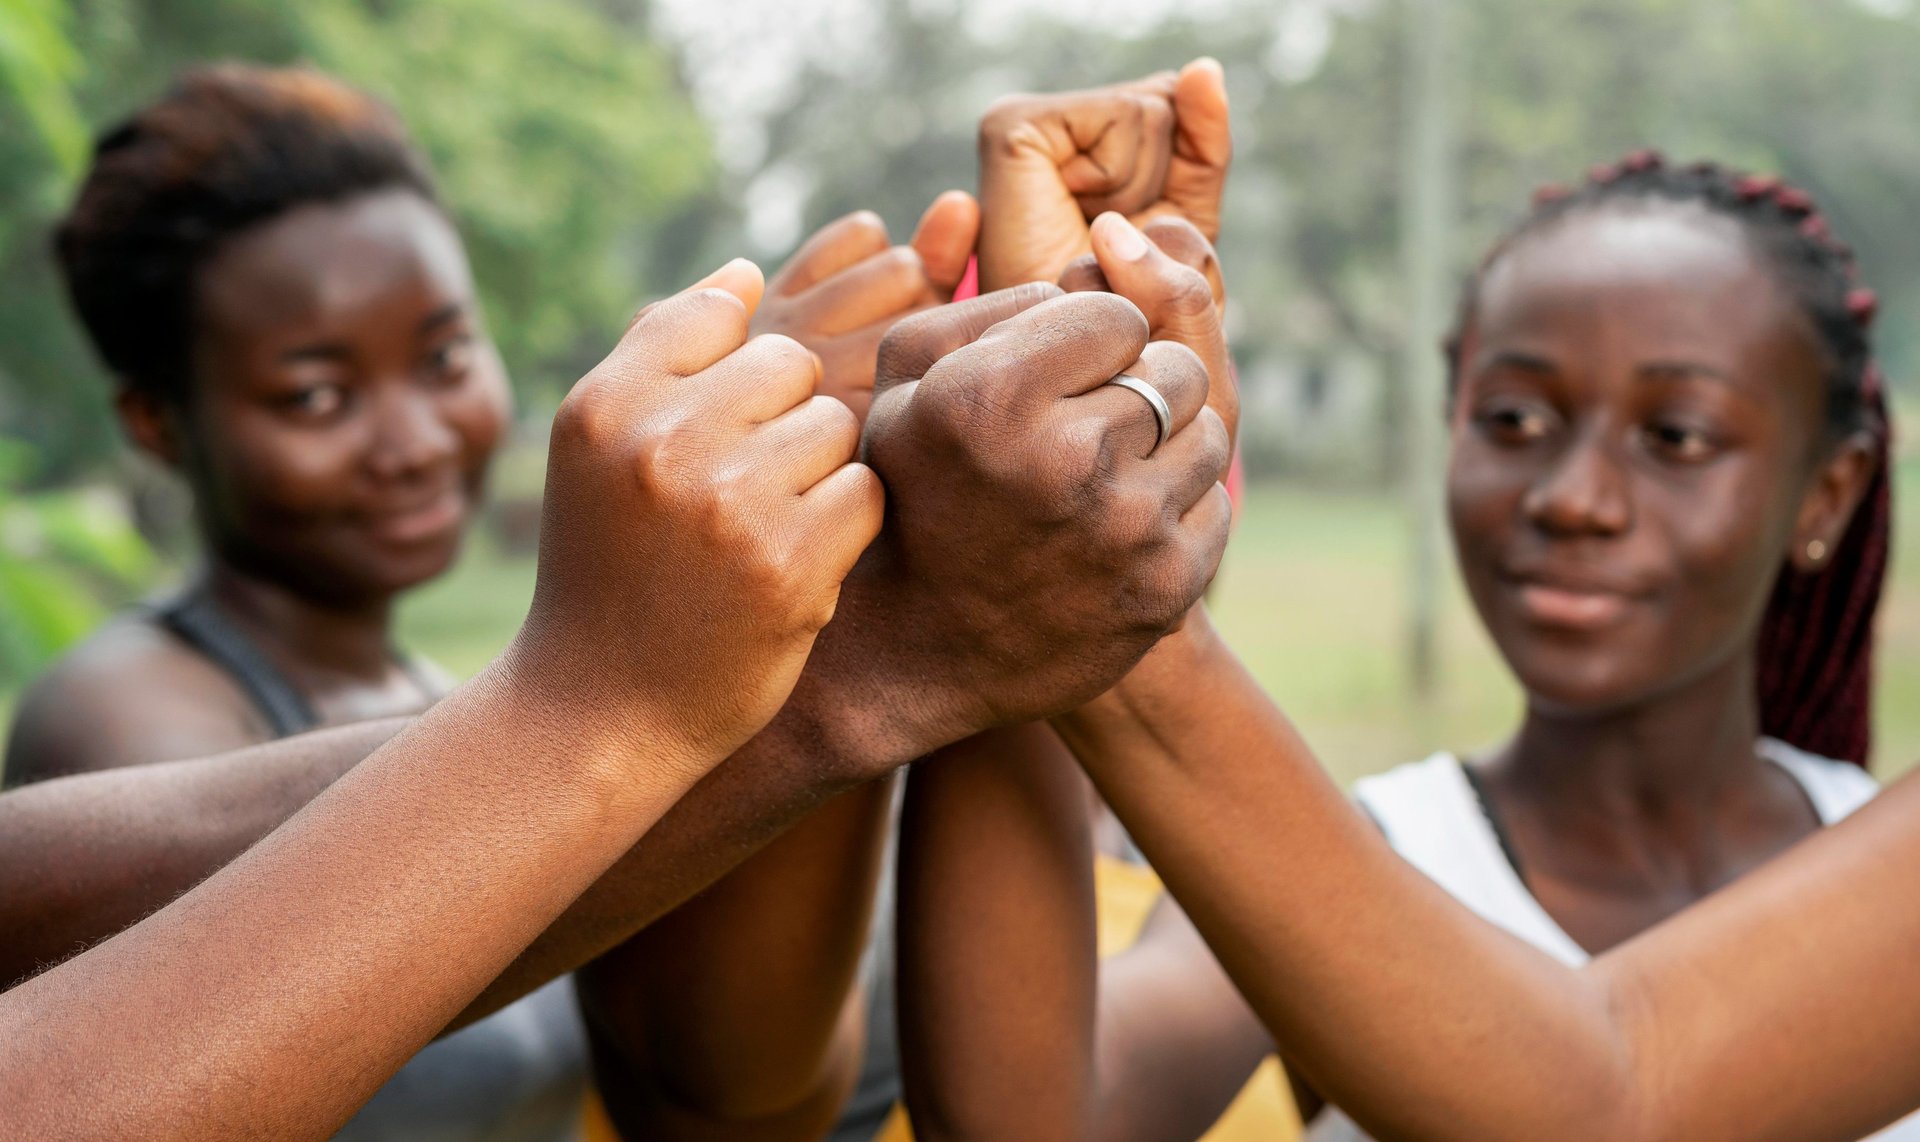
point(1432, 817)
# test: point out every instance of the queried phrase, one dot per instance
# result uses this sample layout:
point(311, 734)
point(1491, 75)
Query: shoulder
point(131, 693)
point(1836, 788)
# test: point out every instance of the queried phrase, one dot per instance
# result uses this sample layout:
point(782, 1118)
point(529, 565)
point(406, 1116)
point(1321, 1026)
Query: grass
point(1313, 598)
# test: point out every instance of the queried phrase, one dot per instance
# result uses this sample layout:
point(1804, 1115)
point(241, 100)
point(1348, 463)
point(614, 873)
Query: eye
point(1685, 443)
point(320, 401)
point(1516, 422)
point(451, 360)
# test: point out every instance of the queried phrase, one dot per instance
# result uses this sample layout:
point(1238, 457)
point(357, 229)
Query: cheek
point(478, 414)
point(269, 473)
point(1484, 492)
point(1728, 536)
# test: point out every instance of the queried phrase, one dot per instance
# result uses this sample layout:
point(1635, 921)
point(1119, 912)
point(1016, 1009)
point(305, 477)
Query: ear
point(1828, 506)
point(151, 423)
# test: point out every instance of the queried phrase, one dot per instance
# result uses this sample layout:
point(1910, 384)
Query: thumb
point(1200, 108)
point(945, 238)
point(1176, 298)
point(740, 278)
point(1202, 146)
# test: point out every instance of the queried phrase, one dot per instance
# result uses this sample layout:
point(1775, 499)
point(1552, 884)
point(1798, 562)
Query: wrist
point(1160, 685)
point(865, 705)
point(586, 725)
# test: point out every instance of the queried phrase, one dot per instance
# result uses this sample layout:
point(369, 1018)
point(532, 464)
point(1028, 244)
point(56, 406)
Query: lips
point(420, 520)
point(1572, 603)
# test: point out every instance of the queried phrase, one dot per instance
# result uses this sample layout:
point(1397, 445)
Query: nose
point(410, 434)
point(1583, 492)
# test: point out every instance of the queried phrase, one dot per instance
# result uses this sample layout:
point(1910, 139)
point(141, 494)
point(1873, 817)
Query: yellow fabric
point(1124, 895)
point(595, 1125)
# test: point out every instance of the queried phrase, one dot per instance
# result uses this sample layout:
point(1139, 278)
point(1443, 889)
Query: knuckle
point(1110, 313)
point(904, 343)
point(867, 225)
point(1189, 296)
point(702, 307)
point(585, 419)
point(1215, 441)
point(904, 266)
point(782, 357)
point(1177, 360)
point(1004, 113)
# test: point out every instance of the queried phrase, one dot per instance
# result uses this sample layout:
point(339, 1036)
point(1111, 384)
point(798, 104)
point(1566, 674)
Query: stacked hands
point(824, 525)
point(707, 498)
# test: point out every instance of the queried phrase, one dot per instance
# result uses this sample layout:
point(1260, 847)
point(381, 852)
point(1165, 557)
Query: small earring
point(1816, 550)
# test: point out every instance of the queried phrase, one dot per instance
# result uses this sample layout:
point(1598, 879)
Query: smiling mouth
point(428, 520)
point(1571, 608)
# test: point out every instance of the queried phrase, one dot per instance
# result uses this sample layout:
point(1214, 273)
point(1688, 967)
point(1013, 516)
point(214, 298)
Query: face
point(345, 400)
point(1637, 432)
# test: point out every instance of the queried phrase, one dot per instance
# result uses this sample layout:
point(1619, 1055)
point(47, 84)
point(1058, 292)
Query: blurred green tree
point(1821, 91)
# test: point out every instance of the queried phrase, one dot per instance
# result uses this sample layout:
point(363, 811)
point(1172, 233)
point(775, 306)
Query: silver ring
point(1162, 415)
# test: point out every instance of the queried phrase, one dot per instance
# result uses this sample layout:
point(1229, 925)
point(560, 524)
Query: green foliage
point(1821, 91)
point(564, 141)
point(38, 64)
point(64, 557)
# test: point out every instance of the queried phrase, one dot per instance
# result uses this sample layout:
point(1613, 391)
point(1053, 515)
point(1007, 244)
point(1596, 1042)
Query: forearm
point(84, 857)
point(739, 1008)
point(996, 941)
point(278, 995)
point(1359, 966)
point(1010, 1028)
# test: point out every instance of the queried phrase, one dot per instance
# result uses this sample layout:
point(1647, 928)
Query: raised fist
point(1040, 536)
point(1167, 269)
point(1157, 147)
point(845, 287)
point(702, 507)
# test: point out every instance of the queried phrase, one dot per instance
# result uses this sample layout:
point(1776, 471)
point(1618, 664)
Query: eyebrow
point(326, 352)
point(333, 351)
point(451, 311)
point(1675, 370)
point(1514, 359)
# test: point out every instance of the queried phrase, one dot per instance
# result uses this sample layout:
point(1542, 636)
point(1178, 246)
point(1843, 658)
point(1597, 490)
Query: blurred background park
point(597, 152)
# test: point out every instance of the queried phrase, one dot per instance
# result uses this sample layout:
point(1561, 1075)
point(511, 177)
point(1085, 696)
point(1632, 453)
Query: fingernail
point(1127, 243)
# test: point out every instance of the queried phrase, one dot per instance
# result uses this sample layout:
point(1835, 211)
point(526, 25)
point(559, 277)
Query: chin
point(1582, 680)
point(386, 572)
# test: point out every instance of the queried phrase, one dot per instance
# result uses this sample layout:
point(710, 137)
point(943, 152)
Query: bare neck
point(1692, 746)
point(1667, 799)
point(318, 643)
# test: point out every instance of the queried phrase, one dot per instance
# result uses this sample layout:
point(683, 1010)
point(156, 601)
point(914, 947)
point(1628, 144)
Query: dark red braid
point(1816, 639)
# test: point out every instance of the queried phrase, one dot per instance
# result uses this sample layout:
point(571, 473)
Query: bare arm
point(1013, 616)
point(1008, 1029)
point(735, 1014)
point(83, 857)
point(1780, 1008)
point(275, 997)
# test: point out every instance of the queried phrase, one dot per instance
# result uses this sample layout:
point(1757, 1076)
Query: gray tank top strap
point(193, 616)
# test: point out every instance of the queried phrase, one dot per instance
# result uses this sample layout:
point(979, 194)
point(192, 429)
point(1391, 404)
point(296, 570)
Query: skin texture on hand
point(697, 1033)
point(1008, 1029)
point(1145, 531)
point(747, 478)
point(1154, 148)
point(273, 999)
point(845, 287)
point(1034, 531)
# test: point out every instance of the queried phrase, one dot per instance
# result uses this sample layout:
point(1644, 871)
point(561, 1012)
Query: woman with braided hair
point(1669, 500)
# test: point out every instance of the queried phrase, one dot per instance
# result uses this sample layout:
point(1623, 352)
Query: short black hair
point(228, 147)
